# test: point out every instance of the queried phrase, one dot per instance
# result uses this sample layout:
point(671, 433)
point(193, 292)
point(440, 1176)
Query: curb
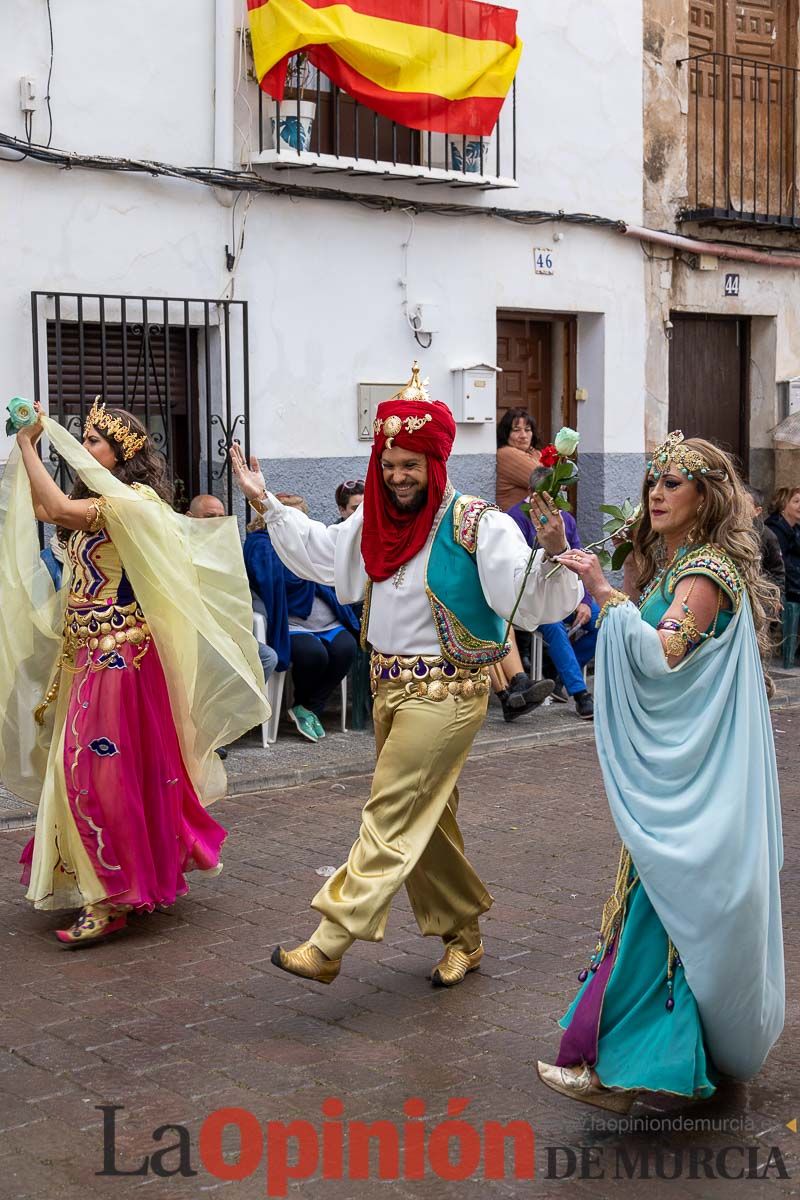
point(252, 784)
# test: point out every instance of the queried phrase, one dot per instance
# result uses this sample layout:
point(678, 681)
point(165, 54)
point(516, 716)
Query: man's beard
point(415, 505)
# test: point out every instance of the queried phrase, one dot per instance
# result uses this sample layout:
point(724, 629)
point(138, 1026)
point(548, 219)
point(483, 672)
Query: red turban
point(391, 537)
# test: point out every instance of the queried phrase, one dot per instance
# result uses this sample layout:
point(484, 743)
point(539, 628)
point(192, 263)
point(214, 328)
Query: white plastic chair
point(276, 686)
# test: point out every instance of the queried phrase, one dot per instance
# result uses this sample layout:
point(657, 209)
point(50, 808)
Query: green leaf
point(605, 559)
point(620, 554)
point(613, 510)
point(562, 503)
point(628, 508)
point(613, 525)
point(546, 484)
point(525, 508)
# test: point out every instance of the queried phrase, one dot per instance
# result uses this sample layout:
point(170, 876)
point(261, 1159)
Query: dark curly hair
point(148, 465)
point(506, 424)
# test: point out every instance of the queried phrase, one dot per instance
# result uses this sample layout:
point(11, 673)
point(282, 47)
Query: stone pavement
point(293, 761)
point(183, 1014)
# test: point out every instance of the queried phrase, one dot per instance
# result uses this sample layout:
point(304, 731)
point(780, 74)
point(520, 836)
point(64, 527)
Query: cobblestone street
point(183, 1014)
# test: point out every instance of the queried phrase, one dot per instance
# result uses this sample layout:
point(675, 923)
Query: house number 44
point(731, 285)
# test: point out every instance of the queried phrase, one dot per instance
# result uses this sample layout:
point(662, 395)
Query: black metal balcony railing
point(742, 139)
point(322, 128)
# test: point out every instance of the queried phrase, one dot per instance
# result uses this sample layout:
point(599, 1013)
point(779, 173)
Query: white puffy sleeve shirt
point(400, 620)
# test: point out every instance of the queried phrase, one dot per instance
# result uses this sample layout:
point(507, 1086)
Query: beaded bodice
point(706, 560)
point(98, 576)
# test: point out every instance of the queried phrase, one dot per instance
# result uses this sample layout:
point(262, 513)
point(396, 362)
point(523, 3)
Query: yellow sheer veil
point(189, 578)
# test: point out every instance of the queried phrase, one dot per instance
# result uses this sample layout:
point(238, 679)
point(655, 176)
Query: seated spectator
point(570, 643)
point(517, 456)
point(349, 497)
point(308, 628)
point(53, 558)
point(771, 556)
point(784, 521)
point(517, 692)
point(205, 506)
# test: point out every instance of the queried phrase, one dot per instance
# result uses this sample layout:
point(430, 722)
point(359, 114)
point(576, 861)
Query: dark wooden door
point(524, 354)
point(708, 393)
point(745, 104)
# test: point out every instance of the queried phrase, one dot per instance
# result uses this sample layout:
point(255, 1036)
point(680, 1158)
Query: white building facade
point(116, 274)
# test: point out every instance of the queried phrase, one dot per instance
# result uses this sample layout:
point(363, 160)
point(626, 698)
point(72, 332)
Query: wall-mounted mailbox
point(475, 394)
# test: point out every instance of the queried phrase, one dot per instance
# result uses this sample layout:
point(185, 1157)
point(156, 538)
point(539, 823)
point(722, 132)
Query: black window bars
point(180, 364)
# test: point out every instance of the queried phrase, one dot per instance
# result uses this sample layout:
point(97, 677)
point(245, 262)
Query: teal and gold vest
point(470, 633)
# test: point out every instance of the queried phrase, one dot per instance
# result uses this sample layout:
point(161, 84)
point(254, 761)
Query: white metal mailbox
point(475, 393)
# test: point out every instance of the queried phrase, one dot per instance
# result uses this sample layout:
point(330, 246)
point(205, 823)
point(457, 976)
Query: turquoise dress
point(639, 1024)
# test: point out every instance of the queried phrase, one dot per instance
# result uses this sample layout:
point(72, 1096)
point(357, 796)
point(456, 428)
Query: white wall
point(323, 279)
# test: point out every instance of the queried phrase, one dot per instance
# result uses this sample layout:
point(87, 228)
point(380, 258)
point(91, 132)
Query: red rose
point(548, 457)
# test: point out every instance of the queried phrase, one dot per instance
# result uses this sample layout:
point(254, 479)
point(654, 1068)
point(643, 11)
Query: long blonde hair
point(725, 521)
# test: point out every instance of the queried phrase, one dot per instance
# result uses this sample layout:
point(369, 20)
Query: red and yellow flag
point(438, 65)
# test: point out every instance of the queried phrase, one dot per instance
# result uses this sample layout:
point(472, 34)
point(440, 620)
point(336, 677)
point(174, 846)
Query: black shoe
point(525, 693)
point(560, 694)
point(221, 752)
point(510, 701)
point(584, 706)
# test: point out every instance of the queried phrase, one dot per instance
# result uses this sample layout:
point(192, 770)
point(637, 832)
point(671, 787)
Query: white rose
point(566, 441)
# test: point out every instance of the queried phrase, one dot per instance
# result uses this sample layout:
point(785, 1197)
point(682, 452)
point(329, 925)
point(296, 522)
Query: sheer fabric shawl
point(189, 578)
point(689, 767)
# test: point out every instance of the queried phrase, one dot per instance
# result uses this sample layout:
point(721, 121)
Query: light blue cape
point(688, 761)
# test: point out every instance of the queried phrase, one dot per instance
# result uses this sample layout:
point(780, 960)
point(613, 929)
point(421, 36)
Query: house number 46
point(543, 261)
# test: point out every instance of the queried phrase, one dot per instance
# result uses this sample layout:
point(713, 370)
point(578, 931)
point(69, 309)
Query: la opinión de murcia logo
point(233, 1145)
point(288, 1151)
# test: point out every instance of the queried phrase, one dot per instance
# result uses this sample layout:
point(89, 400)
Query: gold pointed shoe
point(580, 1087)
point(308, 962)
point(455, 966)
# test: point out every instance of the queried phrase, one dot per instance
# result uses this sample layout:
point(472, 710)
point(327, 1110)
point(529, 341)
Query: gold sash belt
point(427, 675)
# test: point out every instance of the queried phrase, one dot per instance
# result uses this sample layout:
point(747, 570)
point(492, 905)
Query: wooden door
point(524, 354)
point(745, 104)
point(708, 392)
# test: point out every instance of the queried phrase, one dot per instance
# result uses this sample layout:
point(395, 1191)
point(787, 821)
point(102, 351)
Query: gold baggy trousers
point(409, 833)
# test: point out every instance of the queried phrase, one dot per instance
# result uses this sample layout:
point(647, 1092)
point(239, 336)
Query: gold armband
point(95, 515)
point(616, 598)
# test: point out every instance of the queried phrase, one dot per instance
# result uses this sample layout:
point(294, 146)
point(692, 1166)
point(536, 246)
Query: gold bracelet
point(616, 598)
point(258, 503)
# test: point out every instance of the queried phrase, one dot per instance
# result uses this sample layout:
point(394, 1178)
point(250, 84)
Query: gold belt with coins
point(102, 629)
point(426, 675)
point(105, 628)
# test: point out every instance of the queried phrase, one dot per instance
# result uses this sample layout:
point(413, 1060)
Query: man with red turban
point(439, 574)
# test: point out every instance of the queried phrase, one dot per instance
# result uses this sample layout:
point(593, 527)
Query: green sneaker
point(318, 725)
point(305, 722)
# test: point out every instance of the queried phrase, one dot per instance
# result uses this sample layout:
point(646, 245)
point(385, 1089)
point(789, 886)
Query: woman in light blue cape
point(686, 982)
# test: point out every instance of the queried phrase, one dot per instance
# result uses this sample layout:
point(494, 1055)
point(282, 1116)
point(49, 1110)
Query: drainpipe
point(224, 82)
point(734, 253)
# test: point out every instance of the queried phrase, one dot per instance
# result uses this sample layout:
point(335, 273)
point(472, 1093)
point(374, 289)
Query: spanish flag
point(439, 65)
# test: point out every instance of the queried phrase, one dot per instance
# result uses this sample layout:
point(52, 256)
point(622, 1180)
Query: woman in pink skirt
point(143, 684)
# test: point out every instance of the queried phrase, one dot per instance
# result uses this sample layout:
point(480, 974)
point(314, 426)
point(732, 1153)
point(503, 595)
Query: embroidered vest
point(470, 633)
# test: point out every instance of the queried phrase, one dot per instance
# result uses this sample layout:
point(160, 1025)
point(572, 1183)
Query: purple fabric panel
point(579, 1043)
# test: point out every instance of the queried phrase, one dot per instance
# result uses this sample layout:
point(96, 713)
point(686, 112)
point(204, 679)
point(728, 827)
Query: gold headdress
point(688, 462)
point(414, 391)
point(120, 430)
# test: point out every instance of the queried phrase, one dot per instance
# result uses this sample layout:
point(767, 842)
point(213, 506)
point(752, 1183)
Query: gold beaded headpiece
point(120, 430)
point(415, 391)
point(688, 462)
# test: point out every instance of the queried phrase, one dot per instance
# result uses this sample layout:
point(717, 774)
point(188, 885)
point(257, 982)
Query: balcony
point(742, 142)
point(320, 128)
